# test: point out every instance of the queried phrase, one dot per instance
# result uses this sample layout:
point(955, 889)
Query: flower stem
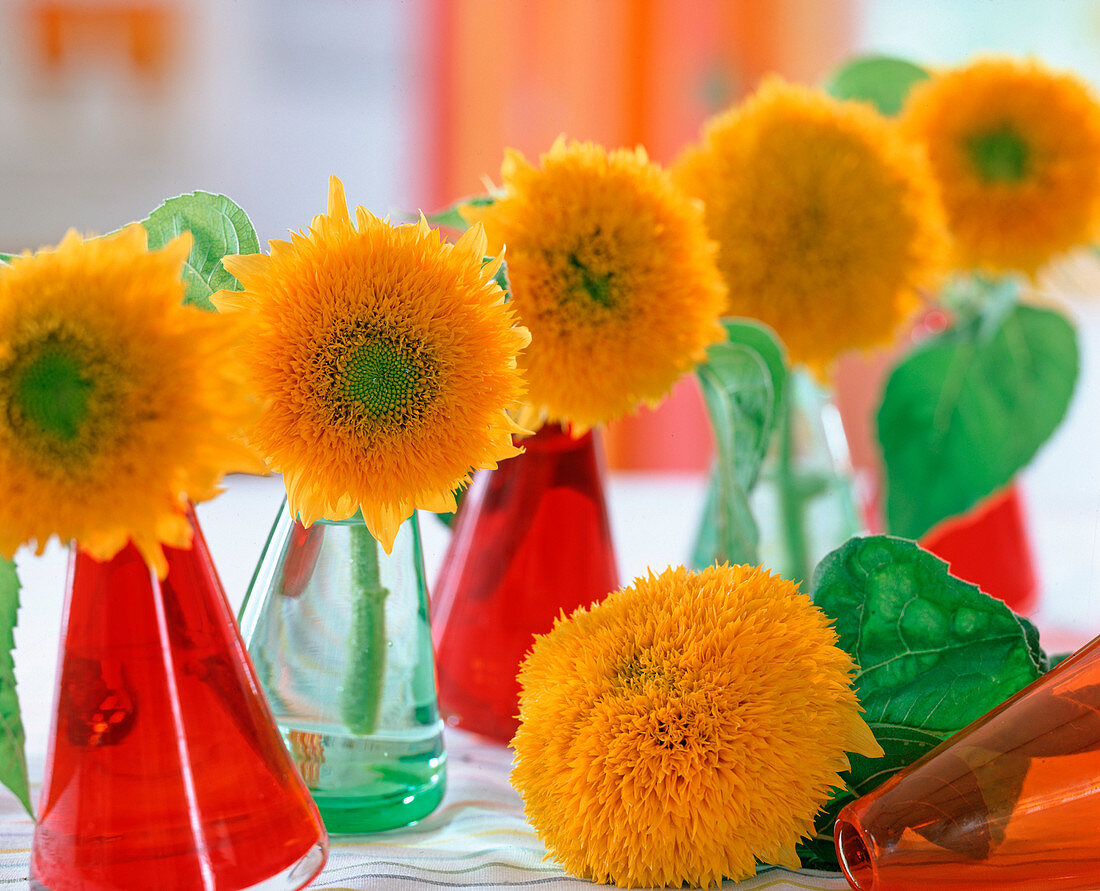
point(792, 499)
point(361, 699)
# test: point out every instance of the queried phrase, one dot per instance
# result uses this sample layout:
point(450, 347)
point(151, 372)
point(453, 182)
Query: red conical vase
point(1009, 803)
point(989, 546)
point(165, 769)
point(531, 540)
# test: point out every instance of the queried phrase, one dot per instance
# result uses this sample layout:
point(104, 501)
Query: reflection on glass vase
point(165, 769)
point(1008, 803)
point(803, 502)
point(338, 631)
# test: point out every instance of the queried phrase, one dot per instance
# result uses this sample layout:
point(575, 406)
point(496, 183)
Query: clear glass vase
point(165, 769)
point(339, 633)
point(803, 502)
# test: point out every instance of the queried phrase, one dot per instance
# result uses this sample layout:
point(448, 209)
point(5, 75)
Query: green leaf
point(6, 258)
point(218, 227)
point(968, 409)
point(13, 760)
point(884, 81)
point(933, 653)
point(501, 277)
point(450, 217)
point(743, 381)
point(818, 852)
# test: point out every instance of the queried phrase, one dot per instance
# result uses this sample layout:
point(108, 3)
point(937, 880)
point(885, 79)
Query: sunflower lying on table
point(686, 727)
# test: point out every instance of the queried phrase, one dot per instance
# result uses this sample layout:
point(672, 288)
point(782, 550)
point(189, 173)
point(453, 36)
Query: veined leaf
point(933, 654)
point(218, 227)
point(13, 760)
point(744, 382)
point(965, 411)
point(884, 81)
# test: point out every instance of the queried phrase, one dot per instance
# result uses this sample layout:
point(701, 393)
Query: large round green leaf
point(964, 412)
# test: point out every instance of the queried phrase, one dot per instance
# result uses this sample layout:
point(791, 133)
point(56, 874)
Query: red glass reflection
point(532, 539)
point(165, 769)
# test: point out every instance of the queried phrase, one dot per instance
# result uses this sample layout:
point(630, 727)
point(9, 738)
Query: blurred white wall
point(261, 100)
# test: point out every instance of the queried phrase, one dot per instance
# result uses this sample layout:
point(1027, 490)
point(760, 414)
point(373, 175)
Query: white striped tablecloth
point(477, 838)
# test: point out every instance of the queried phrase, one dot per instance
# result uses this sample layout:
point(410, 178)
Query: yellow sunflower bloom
point(827, 219)
point(1016, 150)
point(611, 269)
point(684, 728)
point(117, 403)
point(386, 359)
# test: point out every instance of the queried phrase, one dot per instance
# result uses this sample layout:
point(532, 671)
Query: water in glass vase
point(338, 631)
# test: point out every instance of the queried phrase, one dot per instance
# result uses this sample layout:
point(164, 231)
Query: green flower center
point(1000, 156)
point(597, 287)
point(381, 378)
point(51, 393)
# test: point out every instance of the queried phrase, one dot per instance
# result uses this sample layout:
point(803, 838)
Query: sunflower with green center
point(117, 403)
point(685, 728)
point(828, 220)
point(611, 269)
point(1016, 150)
point(386, 361)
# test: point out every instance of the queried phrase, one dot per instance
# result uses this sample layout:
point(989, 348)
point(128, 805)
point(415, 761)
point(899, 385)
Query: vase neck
point(554, 438)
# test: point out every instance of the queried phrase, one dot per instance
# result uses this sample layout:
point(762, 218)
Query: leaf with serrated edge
point(218, 227)
point(13, 760)
point(743, 382)
point(933, 653)
point(967, 410)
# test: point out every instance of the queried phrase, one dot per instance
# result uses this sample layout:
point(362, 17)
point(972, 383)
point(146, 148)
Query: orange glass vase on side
point(1010, 802)
point(532, 539)
point(165, 769)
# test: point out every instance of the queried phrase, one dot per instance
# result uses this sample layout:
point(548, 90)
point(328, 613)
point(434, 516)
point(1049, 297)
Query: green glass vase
point(338, 631)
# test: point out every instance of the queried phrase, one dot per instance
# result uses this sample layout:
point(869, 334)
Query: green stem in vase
point(361, 699)
point(792, 500)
